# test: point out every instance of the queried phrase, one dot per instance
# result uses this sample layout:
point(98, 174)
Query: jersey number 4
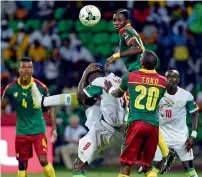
point(153, 94)
point(24, 103)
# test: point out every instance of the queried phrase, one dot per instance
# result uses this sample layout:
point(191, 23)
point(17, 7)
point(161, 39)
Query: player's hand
point(189, 143)
point(109, 61)
point(107, 85)
point(54, 136)
point(92, 68)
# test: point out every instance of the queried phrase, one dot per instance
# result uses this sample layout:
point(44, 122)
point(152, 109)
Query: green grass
point(99, 173)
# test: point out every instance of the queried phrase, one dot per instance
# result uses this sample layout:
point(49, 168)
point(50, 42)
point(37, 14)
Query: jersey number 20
point(153, 94)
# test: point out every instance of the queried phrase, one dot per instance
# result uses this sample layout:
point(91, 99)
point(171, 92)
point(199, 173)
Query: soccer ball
point(89, 15)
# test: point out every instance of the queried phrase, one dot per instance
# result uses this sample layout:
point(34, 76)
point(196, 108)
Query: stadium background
point(61, 47)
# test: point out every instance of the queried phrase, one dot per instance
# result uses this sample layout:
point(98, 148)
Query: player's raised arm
point(81, 95)
point(119, 92)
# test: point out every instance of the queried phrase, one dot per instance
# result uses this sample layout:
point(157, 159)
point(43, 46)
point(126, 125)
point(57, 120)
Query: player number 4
point(153, 94)
point(24, 103)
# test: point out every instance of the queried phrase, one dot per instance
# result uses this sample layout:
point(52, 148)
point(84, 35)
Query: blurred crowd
point(50, 33)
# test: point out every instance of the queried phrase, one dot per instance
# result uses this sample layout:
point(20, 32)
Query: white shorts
point(99, 137)
point(179, 149)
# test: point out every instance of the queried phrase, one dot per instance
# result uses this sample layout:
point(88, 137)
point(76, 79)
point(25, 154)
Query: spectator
point(6, 34)
point(72, 134)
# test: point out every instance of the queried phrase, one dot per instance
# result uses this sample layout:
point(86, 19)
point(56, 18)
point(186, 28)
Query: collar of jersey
point(128, 24)
point(148, 71)
point(27, 86)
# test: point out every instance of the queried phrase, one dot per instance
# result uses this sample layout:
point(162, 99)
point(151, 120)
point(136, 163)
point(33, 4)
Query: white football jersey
point(172, 115)
point(110, 107)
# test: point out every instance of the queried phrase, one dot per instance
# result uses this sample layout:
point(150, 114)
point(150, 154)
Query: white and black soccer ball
point(89, 15)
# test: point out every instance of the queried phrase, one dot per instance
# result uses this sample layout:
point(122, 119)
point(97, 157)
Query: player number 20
point(153, 94)
point(24, 103)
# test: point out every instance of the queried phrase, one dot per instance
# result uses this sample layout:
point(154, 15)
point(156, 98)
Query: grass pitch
point(101, 173)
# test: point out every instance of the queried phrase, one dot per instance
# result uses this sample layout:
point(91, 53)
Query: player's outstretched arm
point(134, 50)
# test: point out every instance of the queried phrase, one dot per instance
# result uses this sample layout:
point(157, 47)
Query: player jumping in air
point(145, 88)
point(173, 109)
point(103, 120)
point(30, 126)
point(131, 47)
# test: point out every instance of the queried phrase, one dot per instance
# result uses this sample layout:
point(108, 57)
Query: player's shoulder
point(98, 81)
point(11, 85)
point(125, 29)
point(41, 84)
point(162, 79)
point(184, 93)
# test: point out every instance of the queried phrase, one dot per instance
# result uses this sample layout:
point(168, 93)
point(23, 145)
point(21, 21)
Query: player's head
point(173, 77)
point(120, 18)
point(148, 60)
point(26, 68)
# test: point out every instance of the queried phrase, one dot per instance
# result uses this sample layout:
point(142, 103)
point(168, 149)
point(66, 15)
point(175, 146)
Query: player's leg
point(40, 146)
point(149, 147)
point(131, 148)
point(55, 100)
point(189, 168)
point(168, 154)
point(96, 140)
point(187, 160)
point(23, 154)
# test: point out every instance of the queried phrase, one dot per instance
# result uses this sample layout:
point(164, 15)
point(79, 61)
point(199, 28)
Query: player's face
point(172, 78)
point(26, 70)
point(119, 21)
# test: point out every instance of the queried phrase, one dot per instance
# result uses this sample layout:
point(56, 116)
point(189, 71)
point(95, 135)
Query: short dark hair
point(26, 59)
point(172, 68)
point(122, 11)
point(149, 60)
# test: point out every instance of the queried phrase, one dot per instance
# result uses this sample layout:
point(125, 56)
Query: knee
point(78, 165)
point(22, 165)
point(43, 161)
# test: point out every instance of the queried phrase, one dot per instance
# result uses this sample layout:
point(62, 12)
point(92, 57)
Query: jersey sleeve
point(92, 90)
point(129, 34)
point(7, 93)
point(124, 83)
point(191, 104)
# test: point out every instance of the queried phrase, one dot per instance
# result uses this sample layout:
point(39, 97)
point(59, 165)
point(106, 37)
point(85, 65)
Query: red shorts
point(23, 146)
point(140, 143)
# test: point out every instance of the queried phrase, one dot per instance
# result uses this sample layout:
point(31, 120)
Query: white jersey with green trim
point(111, 107)
point(173, 113)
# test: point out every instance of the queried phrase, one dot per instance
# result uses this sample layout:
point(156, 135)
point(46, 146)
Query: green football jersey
point(126, 35)
point(145, 89)
point(29, 120)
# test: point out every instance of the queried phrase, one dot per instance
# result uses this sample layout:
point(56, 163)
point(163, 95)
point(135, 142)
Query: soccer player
point(173, 108)
point(145, 88)
point(103, 120)
point(30, 126)
point(131, 47)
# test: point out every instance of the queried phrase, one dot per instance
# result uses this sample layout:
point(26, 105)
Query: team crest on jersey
point(15, 94)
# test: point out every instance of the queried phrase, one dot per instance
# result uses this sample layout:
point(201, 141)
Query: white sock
point(58, 100)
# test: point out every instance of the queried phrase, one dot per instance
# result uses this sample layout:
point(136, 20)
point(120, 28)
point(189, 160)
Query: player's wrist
point(116, 55)
point(194, 134)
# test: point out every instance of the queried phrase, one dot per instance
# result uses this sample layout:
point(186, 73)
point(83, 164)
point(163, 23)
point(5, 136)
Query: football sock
point(191, 172)
point(49, 170)
point(121, 175)
point(61, 100)
point(162, 145)
point(22, 173)
point(156, 170)
point(79, 174)
point(151, 174)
